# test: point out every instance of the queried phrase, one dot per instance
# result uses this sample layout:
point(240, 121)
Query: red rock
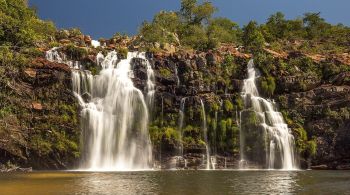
point(87, 39)
point(30, 72)
point(65, 41)
point(43, 63)
point(37, 106)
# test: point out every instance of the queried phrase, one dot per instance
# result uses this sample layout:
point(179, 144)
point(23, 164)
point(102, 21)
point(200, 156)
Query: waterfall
point(177, 76)
point(150, 82)
point(53, 56)
point(95, 43)
point(213, 162)
point(181, 121)
point(275, 132)
point(225, 163)
point(272, 155)
point(205, 135)
point(115, 117)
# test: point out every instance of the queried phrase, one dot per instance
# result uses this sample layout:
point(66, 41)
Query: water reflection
point(264, 182)
point(177, 182)
point(118, 183)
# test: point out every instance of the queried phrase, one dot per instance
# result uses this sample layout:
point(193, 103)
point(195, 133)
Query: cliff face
point(39, 124)
point(324, 110)
point(315, 107)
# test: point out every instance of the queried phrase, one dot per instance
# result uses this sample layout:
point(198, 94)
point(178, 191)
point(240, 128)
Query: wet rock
point(319, 167)
point(201, 63)
point(211, 58)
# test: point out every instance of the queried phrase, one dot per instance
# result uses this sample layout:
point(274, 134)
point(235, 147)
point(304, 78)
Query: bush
point(122, 52)
point(312, 147)
point(253, 39)
point(222, 30)
point(228, 106)
point(20, 26)
point(194, 36)
point(268, 85)
point(75, 53)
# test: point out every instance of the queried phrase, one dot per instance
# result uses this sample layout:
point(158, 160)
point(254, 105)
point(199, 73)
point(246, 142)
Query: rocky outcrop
point(40, 128)
point(38, 125)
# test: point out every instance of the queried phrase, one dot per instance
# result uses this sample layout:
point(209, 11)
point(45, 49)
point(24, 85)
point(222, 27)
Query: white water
point(205, 135)
point(53, 56)
point(181, 123)
point(213, 162)
point(95, 43)
point(278, 137)
point(150, 82)
point(115, 117)
point(177, 76)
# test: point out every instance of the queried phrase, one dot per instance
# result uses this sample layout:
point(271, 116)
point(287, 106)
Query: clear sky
point(102, 18)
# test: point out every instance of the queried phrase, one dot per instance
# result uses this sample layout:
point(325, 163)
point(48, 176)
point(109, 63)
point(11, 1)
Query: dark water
point(177, 182)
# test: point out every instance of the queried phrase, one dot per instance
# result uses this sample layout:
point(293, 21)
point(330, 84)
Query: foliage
point(194, 36)
point(163, 28)
point(192, 13)
point(75, 52)
point(312, 147)
point(122, 52)
point(268, 85)
point(222, 30)
point(253, 39)
point(20, 26)
point(165, 72)
point(228, 106)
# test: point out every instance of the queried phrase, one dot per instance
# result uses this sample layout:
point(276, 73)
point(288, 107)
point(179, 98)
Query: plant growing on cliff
point(75, 52)
point(268, 85)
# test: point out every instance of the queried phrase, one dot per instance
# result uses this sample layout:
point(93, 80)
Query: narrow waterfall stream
point(205, 135)
point(181, 123)
point(276, 149)
point(114, 114)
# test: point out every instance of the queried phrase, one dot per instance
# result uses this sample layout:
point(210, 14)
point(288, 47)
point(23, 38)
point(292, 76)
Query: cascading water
point(181, 123)
point(205, 135)
point(278, 141)
point(150, 85)
point(95, 43)
point(177, 76)
point(114, 117)
point(53, 56)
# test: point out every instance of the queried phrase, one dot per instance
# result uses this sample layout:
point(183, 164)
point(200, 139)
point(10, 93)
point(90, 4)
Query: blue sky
point(102, 18)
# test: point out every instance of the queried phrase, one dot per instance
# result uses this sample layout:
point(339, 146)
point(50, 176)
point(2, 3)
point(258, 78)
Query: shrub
point(268, 85)
point(228, 106)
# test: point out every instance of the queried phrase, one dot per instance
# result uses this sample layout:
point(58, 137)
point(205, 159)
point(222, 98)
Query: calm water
point(177, 182)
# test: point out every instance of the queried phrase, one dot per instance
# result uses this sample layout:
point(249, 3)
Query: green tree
point(163, 28)
point(222, 30)
point(315, 26)
point(19, 25)
point(253, 39)
point(277, 25)
point(194, 36)
point(192, 13)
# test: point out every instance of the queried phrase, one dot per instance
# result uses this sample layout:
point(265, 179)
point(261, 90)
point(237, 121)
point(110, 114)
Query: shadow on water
point(177, 182)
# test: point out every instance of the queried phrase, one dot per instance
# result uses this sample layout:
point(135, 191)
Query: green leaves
point(20, 26)
point(253, 39)
point(268, 85)
point(195, 14)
